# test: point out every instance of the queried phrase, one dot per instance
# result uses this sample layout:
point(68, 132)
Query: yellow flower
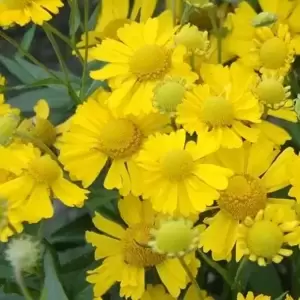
point(275, 101)
point(114, 14)
point(36, 179)
point(142, 58)
point(287, 12)
point(221, 109)
point(39, 126)
point(4, 107)
point(263, 48)
point(265, 237)
point(294, 172)
point(257, 174)
point(127, 256)
point(192, 294)
point(23, 12)
point(97, 135)
point(154, 292)
point(184, 183)
point(250, 296)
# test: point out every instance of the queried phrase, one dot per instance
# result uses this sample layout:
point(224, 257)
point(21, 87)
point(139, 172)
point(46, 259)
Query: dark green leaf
point(85, 294)
point(75, 18)
point(53, 288)
point(27, 39)
point(57, 99)
point(264, 280)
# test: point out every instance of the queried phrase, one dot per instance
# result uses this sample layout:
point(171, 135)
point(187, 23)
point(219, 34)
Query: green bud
point(264, 19)
point(8, 126)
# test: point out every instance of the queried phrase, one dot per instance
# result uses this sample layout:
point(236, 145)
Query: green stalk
point(217, 267)
point(62, 64)
point(217, 31)
point(236, 283)
point(190, 275)
point(28, 55)
point(86, 48)
point(22, 285)
point(65, 39)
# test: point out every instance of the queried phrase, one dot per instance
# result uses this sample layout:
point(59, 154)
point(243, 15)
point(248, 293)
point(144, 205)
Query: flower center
point(111, 29)
point(44, 169)
point(168, 95)
point(136, 250)
point(174, 237)
point(264, 239)
point(273, 53)
point(150, 62)
point(271, 91)
point(245, 196)
point(176, 164)
point(120, 138)
point(217, 111)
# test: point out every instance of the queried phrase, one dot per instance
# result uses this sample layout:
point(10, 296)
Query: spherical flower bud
point(8, 125)
point(168, 94)
point(23, 253)
point(264, 19)
point(174, 237)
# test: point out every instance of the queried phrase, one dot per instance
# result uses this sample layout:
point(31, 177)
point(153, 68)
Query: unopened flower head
point(23, 253)
point(264, 19)
point(174, 237)
point(8, 125)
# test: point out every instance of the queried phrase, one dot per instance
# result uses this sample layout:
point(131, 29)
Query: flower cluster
point(189, 132)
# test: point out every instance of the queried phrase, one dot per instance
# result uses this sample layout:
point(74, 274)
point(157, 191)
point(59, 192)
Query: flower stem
point(191, 277)
point(71, 44)
point(22, 285)
point(217, 31)
point(86, 48)
point(28, 55)
point(217, 267)
point(62, 63)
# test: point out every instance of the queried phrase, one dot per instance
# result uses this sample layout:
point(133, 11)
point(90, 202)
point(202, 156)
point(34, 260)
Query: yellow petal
point(108, 226)
point(248, 133)
point(41, 109)
point(284, 114)
point(105, 246)
point(130, 208)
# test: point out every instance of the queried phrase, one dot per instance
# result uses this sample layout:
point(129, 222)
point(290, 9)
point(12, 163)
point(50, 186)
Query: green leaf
point(265, 280)
point(85, 294)
point(53, 288)
point(27, 39)
point(57, 99)
point(11, 297)
point(75, 19)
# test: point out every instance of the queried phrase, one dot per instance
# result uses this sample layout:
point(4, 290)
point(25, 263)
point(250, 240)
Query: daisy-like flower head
point(169, 93)
point(154, 292)
point(193, 39)
point(142, 58)
point(127, 256)
point(275, 101)
point(39, 126)
point(24, 11)
point(222, 109)
point(113, 16)
point(266, 48)
point(184, 182)
point(250, 296)
point(36, 178)
point(98, 135)
point(286, 12)
point(257, 174)
point(265, 238)
point(174, 237)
